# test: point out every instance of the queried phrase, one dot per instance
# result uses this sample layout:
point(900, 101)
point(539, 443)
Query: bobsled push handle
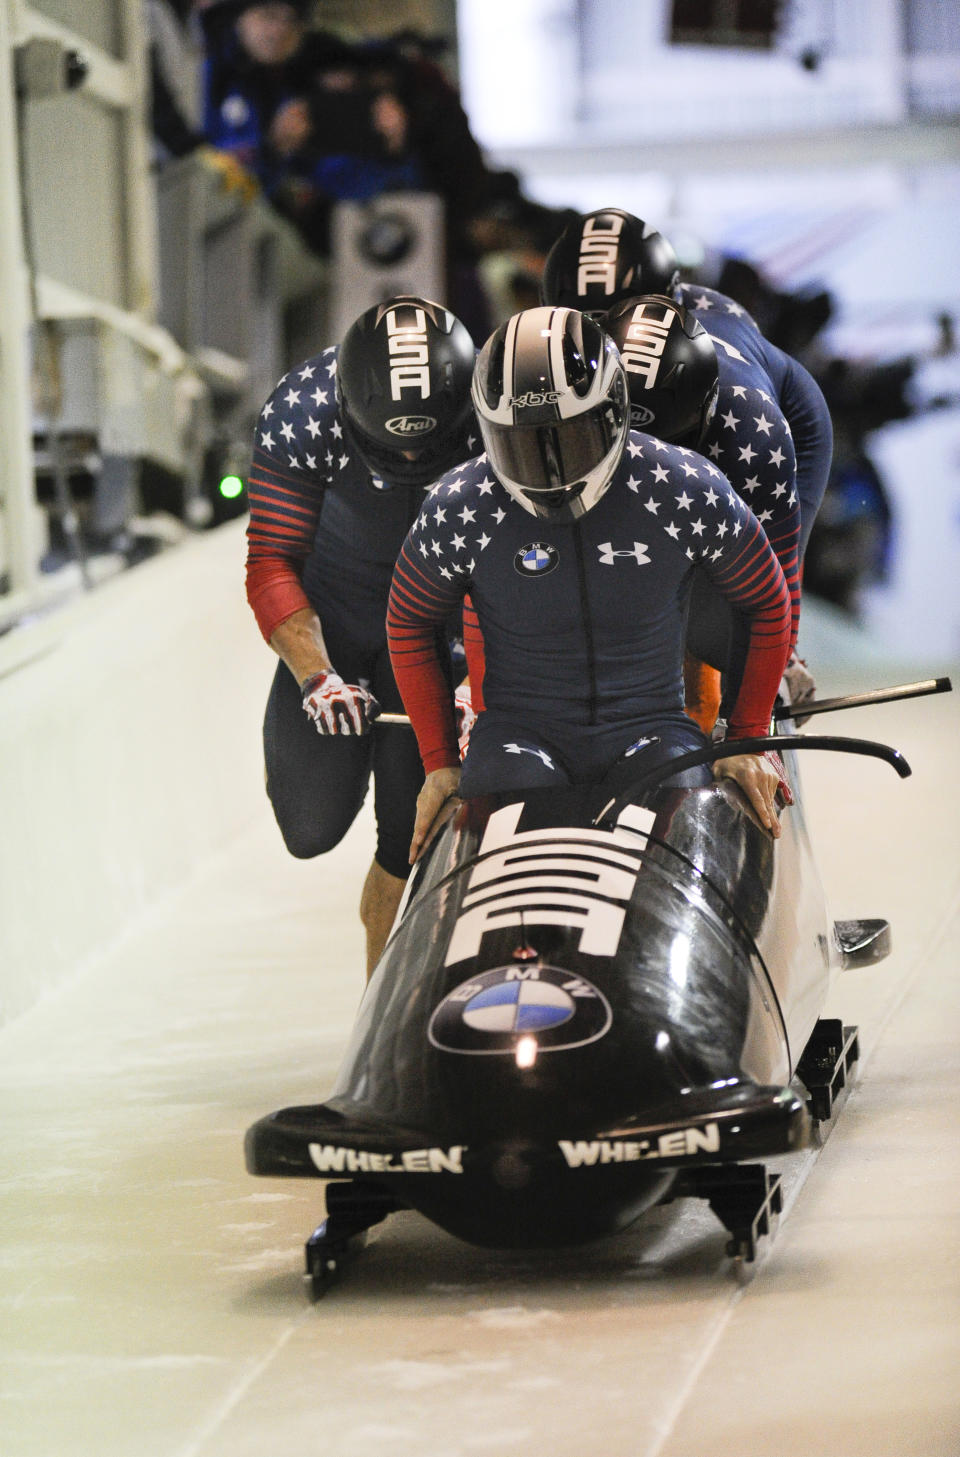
point(861, 700)
point(815, 705)
point(727, 750)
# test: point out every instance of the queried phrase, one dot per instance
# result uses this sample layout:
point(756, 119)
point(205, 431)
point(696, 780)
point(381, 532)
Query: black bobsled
point(588, 1005)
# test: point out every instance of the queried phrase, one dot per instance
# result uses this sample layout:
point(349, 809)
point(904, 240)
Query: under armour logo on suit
point(608, 556)
point(539, 753)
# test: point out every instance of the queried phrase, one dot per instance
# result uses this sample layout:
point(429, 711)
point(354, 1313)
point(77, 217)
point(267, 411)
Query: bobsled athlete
point(607, 256)
point(343, 451)
point(690, 391)
point(576, 539)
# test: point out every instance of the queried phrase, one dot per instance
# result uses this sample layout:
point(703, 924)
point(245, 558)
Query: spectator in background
point(175, 119)
point(276, 91)
point(318, 119)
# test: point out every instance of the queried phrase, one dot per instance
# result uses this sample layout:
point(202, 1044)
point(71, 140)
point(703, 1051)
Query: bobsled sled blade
point(746, 1198)
point(862, 943)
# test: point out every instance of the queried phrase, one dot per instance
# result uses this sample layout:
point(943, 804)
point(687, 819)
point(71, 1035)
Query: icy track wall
point(129, 753)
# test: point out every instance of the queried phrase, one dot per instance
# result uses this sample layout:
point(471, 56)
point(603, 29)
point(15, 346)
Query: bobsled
point(590, 1004)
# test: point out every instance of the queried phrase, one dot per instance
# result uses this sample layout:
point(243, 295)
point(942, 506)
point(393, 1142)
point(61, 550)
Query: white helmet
point(551, 398)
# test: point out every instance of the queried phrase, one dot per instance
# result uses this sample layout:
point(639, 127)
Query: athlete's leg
point(378, 909)
point(397, 778)
point(316, 782)
point(654, 745)
point(506, 757)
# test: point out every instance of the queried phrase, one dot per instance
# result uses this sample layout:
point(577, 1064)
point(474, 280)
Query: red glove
point(466, 718)
point(784, 790)
point(337, 707)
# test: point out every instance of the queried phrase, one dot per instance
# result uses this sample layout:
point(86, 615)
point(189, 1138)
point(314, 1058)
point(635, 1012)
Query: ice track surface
point(152, 1299)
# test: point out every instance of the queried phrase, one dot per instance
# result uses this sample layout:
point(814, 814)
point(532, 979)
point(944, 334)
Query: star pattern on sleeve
point(462, 512)
point(691, 501)
point(749, 440)
point(299, 425)
point(705, 300)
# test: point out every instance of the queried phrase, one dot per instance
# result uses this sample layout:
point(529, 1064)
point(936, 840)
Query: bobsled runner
point(589, 1005)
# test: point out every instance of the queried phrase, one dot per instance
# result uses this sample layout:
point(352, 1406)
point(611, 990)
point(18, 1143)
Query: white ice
point(152, 1302)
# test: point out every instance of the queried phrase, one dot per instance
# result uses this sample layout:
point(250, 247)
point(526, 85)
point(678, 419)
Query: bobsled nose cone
point(528, 1197)
point(512, 1169)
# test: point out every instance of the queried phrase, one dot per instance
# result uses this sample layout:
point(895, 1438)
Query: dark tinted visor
point(552, 457)
point(429, 460)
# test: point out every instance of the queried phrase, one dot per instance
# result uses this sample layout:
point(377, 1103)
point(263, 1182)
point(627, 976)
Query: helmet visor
point(554, 457)
point(407, 466)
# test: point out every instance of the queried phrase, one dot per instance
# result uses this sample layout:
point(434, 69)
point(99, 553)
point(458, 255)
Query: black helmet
point(671, 367)
point(605, 256)
point(551, 400)
point(403, 387)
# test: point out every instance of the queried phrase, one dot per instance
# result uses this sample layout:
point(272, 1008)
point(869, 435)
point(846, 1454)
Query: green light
point(231, 487)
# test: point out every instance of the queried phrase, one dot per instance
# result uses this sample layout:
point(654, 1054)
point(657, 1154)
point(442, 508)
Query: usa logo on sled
point(490, 1012)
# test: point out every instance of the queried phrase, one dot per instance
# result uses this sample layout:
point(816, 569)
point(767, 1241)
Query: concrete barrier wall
point(129, 753)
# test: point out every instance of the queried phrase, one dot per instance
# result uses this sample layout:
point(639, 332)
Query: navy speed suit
point(583, 624)
point(772, 437)
point(325, 533)
point(743, 356)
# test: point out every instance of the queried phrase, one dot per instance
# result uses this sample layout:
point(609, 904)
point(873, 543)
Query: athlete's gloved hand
point(784, 792)
point(337, 707)
point(799, 684)
point(466, 718)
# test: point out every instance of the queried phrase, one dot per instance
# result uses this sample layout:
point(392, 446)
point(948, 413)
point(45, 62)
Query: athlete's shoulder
point(463, 511)
point(649, 460)
point(300, 426)
point(738, 404)
point(472, 481)
point(677, 493)
point(655, 471)
point(710, 302)
point(308, 386)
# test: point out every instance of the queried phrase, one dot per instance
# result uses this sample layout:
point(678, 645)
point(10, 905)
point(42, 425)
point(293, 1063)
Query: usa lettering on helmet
point(409, 354)
point(645, 342)
point(598, 252)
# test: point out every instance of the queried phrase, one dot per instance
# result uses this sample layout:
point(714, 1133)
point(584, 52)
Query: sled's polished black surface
point(585, 1001)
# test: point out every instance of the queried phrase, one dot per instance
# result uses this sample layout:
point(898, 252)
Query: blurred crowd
point(309, 117)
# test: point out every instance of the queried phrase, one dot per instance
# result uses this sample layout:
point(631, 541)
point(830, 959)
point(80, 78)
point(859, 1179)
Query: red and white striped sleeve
point(419, 605)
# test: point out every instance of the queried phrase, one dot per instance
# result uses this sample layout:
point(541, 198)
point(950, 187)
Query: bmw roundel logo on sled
point(490, 1012)
point(536, 560)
